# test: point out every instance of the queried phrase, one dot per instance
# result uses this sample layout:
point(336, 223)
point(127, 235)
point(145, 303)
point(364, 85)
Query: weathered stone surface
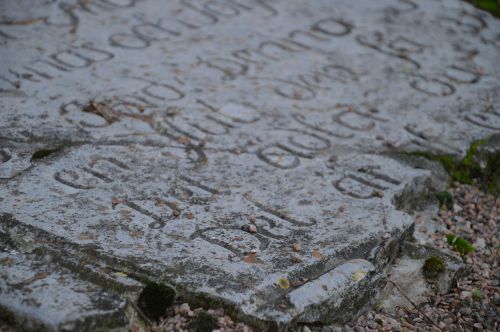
point(195, 142)
point(37, 295)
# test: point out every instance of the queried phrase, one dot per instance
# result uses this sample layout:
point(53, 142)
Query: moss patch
point(462, 246)
point(204, 322)
point(433, 266)
point(155, 299)
point(483, 170)
point(476, 295)
point(492, 170)
point(492, 6)
point(445, 199)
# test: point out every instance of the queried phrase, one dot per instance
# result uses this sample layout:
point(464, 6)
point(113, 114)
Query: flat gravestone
point(236, 149)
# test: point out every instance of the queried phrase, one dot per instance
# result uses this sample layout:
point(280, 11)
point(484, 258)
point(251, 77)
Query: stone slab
point(197, 141)
point(36, 294)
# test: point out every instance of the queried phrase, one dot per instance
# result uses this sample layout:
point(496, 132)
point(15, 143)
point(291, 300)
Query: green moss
point(492, 171)
point(468, 170)
point(204, 322)
point(445, 199)
point(433, 266)
point(155, 299)
point(112, 324)
point(462, 246)
point(492, 6)
point(476, 295)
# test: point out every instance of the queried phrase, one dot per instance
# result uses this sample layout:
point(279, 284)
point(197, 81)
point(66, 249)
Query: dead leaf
point(159, 203)
point(6, 261)
point(316, 254)
point(101, 109)
point(26, 21)
point(135, 234)
point(86, 237)
point(251, 258)
point(38, 276)
point(115, 201)
point(184, 140)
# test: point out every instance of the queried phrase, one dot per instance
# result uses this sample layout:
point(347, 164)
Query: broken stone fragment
point(44, 296)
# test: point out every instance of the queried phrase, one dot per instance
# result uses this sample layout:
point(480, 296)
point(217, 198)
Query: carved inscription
point(362, 183)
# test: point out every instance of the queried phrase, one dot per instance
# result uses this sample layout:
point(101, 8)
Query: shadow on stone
point(155, 299)
point(205, 322)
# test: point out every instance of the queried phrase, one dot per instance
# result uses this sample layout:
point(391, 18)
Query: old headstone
point(238, 150)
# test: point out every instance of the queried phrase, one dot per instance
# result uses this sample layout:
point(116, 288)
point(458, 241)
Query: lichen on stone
point(283, 283)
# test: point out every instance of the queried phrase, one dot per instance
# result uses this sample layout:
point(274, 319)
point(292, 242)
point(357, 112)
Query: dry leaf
point(184, 140)
point(135, 234)
point(6, 261)
point(115, 201)
point(26, 21)
point(86, 237)
point(251, 258)
point(316, 254)
point(38, 276)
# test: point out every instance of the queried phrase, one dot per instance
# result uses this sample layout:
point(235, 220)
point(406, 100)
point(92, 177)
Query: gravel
point(474, 304)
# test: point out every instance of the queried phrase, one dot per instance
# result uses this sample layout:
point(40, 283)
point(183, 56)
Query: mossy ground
point(470, 170)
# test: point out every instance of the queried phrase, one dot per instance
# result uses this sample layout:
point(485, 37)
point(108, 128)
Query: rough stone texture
point(38, 295)
point(153, 134)
point(407, 273)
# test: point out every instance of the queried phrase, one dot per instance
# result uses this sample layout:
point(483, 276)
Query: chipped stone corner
point(410, 280)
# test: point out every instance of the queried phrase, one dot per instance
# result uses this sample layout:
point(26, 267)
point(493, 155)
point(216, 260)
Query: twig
point(413, 304)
